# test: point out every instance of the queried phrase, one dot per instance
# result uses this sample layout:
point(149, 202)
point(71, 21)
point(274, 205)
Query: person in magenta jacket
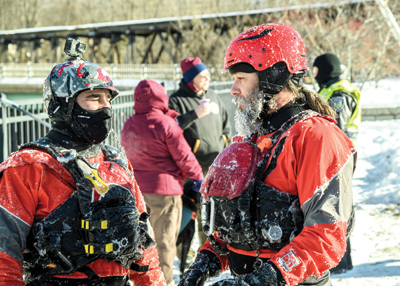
point(161, 158)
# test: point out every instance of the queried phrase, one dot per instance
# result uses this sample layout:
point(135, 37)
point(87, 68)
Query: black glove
point(231, 282)
point(266, 275)
point(205, 265)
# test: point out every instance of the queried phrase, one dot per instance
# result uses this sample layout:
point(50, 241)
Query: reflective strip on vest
point(345, 85)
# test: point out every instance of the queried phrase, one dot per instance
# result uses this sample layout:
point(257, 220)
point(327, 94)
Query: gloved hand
point(231, 282)
point(268, 275)
point(205, 265)
point(196, 185)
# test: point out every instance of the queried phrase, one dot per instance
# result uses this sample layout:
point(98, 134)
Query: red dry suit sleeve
point(150, 256)
point(317, 163)
point(222, 258)
point(10, 270)
point(20, 189)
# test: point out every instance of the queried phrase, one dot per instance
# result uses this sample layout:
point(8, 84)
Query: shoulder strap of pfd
point(116, 156)
point(84, 174)
point(278, 139)
point(111, 153)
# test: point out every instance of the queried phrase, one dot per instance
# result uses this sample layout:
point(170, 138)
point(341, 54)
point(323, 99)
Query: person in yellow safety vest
point(339, 92)
point(345, 99)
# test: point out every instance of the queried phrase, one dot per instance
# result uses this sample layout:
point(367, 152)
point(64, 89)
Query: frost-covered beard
point(247, 114)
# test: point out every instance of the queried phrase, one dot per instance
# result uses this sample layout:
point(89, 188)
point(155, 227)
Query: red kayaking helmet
point(274, 50)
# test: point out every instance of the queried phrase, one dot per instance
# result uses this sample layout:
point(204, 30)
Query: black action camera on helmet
point(74, 48)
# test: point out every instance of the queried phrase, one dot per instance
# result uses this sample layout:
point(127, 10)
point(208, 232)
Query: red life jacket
point(247, 213)
point(59, 186)
point(81, 231)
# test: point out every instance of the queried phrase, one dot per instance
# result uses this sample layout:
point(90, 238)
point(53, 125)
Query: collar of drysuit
point(272, 122)
point(62, 134)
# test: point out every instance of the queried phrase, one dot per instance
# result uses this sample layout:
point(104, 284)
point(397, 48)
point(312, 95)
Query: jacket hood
point(151, 96)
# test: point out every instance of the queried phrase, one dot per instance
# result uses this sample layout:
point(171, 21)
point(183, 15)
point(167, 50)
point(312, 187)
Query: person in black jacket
point(202, 117)
point(339, 92)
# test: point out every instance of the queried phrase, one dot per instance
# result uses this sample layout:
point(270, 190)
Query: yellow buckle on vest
point(109, 247)
point(103, 224)
point(97, 182)
point(89, 248)
point(85, 224)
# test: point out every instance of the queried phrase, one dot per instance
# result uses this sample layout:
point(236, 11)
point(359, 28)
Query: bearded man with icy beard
point(251, 107)
point(247, 114)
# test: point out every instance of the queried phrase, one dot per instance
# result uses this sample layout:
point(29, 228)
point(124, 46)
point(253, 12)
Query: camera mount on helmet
point(74, 49)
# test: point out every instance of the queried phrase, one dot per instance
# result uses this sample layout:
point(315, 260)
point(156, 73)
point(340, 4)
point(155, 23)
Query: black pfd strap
point(91, 275)
point(274, 160)
point(139, 268)
point(263, 170)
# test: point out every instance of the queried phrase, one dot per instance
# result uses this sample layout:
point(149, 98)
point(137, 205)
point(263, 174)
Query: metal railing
point(116, 71)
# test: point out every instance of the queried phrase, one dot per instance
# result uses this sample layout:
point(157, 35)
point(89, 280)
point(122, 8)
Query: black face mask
point(93, 125)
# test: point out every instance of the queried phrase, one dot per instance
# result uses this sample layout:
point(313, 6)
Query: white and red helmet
point(265, 45)
point(276, 51)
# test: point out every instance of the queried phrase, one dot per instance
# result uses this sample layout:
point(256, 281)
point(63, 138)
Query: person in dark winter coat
point(277, 202)
point(339, 92)
point(202, 116)
point(345, 99)
point(161, 157)
point(71, 210)
point(206, 125)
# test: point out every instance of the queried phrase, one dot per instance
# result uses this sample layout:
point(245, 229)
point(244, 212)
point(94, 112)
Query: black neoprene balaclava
point(328, 68)
point(83, 129)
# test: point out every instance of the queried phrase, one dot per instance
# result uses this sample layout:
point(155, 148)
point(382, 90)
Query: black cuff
point(279, 276)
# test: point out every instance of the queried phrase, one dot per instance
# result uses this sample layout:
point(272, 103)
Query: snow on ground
point(384, 94)
point(375, 240)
